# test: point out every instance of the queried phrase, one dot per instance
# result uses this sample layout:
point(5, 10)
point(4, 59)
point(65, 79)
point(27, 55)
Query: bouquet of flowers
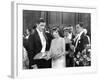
point(83, 58)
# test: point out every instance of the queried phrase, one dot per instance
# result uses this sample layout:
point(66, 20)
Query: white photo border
point(17, 28)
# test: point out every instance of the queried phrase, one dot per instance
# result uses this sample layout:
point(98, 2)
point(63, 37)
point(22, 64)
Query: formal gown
point(58, 48)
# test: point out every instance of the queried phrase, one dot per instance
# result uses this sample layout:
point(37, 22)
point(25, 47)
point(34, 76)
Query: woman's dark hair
point(60, 32)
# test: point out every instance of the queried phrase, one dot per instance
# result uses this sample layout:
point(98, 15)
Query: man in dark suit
point(81, 40)
point(68, 32)
point(38, 42)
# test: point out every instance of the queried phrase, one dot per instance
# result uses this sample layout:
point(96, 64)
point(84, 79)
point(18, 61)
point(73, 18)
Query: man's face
point(66, 33)
point(71, 29)
point(27, 32)
point(41, 26)
point(78, 28)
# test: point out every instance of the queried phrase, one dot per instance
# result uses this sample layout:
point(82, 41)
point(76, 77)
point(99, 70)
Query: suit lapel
point(45, 36)
point(79, 40)
point(38, 38)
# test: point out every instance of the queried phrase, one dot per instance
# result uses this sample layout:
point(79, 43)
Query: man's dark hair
point(34, 26)
point(40, 20)
point(69, 25)
point(81, 24)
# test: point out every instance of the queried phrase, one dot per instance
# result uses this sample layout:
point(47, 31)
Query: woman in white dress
point(57, 50)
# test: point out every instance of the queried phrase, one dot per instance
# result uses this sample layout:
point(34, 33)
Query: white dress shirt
point(70, 36)
point(43, 40)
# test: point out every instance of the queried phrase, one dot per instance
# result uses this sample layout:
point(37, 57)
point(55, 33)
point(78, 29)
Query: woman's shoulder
point(62, 38)
point(53, 40)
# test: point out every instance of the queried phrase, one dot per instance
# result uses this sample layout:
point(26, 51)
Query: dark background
point(61, 19)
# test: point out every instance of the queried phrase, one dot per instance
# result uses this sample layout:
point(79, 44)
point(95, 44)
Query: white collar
point(39, 31)
point(79, 35)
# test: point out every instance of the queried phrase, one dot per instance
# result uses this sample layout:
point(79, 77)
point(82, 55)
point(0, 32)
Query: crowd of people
point(56, 48)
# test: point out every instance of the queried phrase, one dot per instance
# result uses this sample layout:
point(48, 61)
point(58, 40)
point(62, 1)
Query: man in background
point(68, 35)
point(81, 41)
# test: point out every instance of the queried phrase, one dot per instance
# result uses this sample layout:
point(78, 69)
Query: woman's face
point(55, 34)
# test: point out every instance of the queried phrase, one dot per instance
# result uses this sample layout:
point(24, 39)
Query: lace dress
point(57, 52)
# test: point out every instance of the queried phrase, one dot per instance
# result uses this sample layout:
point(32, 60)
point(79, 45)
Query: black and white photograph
point(53, 39)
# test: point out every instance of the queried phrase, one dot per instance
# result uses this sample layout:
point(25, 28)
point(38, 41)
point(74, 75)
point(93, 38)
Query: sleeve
point(24, 54)
point(51, 47)
point(31, 44)
point(63, 46)
point(89, 39)
point(85, 40)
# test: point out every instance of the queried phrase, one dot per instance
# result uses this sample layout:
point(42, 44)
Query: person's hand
point(42, 55)
point(56, 56)
point(46, 57)
point(72, 47)
point(34, 66)
point(38, 56)
point(74, 59)
point(77, 62)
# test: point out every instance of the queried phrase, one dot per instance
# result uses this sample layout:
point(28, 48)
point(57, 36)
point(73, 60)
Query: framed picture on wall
point(50, 40)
